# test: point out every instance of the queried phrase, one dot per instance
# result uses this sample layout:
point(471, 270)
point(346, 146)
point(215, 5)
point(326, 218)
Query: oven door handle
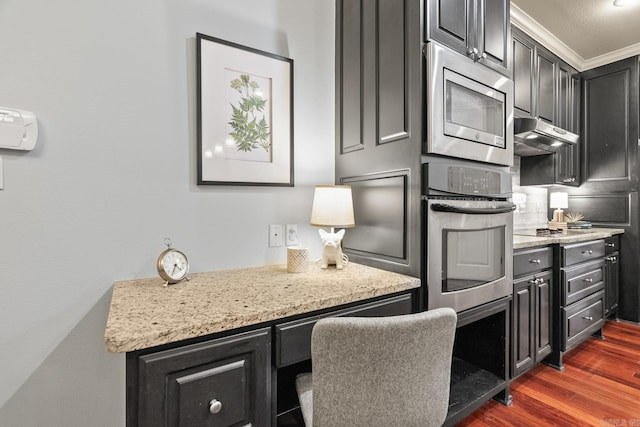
point(443, 207)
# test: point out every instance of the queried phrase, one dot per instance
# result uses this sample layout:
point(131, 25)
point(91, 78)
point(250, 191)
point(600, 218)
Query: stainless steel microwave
point(469, 108)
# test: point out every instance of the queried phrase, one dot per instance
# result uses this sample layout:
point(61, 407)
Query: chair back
point(382, 371)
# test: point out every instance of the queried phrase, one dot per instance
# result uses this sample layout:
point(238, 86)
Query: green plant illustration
point(250, 128)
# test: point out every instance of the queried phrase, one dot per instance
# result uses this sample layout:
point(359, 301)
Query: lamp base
point(558, 215)
point(332, 249)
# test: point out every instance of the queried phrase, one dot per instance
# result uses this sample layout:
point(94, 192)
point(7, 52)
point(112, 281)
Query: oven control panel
point(442, 178)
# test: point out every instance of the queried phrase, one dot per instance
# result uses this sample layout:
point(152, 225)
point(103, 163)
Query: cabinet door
point(222, 382)
point(566, 162)
point(611, 283)
point(564, 112)
point(523, 71)
point(523, 326)
point(493, 34)
point(545, 84)
point(543, 315)
point(610, 128)
point(450, 23)
point(350, 94)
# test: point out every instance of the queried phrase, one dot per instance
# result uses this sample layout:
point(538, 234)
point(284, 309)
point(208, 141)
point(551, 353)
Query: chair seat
point(305, 395)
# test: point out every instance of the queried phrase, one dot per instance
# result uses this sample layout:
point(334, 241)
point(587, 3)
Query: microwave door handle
point(443, 207)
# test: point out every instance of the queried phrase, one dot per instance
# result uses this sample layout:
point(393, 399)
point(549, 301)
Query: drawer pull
point(534, 261)
point(589, 318)
point(589, 252)
point(610, 245)
point(215, 406)
point(588, 280)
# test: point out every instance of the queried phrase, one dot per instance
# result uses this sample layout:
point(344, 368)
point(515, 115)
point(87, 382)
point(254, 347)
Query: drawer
point(580, 281)
point(611, 244)
point(530, 260)
point(580, 252)
point(582, 319)
point(223, 381)
point(293, 339)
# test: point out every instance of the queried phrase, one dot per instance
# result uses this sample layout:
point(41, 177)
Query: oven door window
point(472, 257)
point(473, 111)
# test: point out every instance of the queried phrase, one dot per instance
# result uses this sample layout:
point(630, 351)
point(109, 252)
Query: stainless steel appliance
point(469, 234)
point(533, 137)
point(469, 108)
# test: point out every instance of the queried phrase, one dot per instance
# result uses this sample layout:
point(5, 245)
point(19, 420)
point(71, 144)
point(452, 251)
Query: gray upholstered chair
point(381, 371)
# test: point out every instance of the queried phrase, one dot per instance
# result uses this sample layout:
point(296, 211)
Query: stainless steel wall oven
point(468, 243)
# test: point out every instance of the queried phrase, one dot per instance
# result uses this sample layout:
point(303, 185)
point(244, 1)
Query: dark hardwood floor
point(600, 386)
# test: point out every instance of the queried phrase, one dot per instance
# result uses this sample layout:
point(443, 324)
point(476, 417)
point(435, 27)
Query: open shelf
point(471, 387)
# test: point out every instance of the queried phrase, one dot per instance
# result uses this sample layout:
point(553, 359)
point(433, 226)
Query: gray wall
point(113, 86)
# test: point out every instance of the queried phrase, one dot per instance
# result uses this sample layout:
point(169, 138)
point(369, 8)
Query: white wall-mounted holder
point(18, 129)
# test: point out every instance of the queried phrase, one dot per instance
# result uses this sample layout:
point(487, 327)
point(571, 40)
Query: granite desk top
point(144, 313)
point(571, 236)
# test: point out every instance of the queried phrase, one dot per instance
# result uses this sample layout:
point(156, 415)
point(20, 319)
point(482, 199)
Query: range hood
point(533, 137)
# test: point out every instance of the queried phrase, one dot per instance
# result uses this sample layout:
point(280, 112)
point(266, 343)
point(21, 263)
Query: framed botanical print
point(245, 115)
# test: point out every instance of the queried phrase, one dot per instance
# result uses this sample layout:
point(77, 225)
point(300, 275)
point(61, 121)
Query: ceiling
point(586, 33)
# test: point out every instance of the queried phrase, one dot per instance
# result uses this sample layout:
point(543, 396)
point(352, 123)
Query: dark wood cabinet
point(379, 124)
point(548, 88)
point(608, 196)
point(479, 29)
point(532, 315)
point(578, 307)
point(220, 382)
point(611, 276)
point(523, 72)
point(545, 85)
point(610, 129)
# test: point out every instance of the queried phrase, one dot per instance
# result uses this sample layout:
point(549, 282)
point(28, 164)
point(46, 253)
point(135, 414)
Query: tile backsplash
point(531, 202)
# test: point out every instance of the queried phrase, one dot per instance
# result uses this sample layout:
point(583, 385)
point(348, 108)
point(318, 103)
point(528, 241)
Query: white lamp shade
point(559, 200)
point(332, 206)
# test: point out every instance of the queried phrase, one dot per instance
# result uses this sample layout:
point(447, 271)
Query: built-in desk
point(227, 344)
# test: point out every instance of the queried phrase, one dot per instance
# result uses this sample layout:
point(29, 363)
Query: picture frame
point(245, 115)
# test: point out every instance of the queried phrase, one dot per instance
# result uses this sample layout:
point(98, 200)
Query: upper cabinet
point(479, 29)
point(548, 88)
point(544, 85)
point(610, 129)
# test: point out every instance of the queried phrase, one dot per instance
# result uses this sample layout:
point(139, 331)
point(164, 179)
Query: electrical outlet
point(291, 235)
point(275, 235)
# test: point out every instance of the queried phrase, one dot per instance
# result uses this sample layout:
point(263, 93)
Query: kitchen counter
point(570, 236)
point(144, 313)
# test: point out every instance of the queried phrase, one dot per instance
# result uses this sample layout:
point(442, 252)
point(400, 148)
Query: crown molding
point(610, 57)
point(532, 27)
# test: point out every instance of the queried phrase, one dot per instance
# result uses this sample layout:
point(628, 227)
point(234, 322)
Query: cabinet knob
point(534, 261)
point(589, 318)
point(215, 406)
point(610, 245)
point(588, 280)
point(589, 252)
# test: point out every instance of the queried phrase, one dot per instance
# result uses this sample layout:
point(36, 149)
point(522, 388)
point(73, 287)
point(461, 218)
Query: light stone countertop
point(570, 236)
point(144, 313)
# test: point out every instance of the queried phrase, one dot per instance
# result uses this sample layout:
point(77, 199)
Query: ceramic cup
point(297, 259)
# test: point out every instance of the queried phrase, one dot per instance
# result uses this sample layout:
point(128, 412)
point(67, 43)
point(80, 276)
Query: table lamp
point(558, 201)
point(332, 207)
